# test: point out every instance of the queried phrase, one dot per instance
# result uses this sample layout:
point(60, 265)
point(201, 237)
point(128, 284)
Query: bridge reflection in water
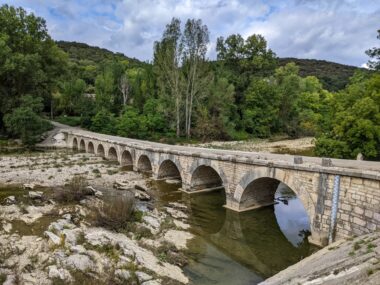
point(240, 248)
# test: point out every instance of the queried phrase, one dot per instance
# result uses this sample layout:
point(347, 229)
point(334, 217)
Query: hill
point(334, 76)
point(84, 52)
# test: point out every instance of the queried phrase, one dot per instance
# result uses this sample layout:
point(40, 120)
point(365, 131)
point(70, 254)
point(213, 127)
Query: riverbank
point(301, 146)
point(45, 239)
point(351, 261)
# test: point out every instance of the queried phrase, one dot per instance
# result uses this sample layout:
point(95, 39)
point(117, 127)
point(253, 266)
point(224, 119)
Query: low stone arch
point(82, 145)
point(90, 147)
point(258, 181)
point(169, 168)
point(144, 163)
point(112, 154)
point(126, 158)
point(75, 144)
point(207, 165)
point(100, 150)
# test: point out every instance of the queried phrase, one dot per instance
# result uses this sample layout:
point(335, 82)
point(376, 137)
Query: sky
point(334, 30)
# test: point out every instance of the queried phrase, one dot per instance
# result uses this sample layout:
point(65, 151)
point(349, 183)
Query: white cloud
point(337, 30)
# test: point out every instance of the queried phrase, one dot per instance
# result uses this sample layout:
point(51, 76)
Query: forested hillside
point(333, 76)
point(246, 93)
point(84, 52)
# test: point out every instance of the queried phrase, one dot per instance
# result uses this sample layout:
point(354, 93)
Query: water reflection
point(291, 215)
point(240, 248)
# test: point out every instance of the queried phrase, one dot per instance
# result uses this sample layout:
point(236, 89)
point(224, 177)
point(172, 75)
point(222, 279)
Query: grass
point(111, 251)
point(167, 224)
point(370, 247)
point(142, 232)
point(167, 252)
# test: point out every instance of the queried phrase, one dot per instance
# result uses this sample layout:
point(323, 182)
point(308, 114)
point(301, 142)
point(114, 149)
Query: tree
point(375, 54)
point(104, 87)
point(195, 39)
point(261, 107)
point(215, 111)
point(242, 59)
point(289, 88)
point(311, 105)
point(167, 59)
point(24, 122)
point(104, 122)
point(72, 96)
point(124, 87)
point(30, 62)
point(131, 124)
point(354, 124)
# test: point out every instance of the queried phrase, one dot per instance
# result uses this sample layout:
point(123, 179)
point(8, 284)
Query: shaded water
point(240, 248)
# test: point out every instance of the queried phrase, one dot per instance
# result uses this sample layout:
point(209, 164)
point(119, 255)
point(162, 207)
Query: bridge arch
point(169, 168)
point(100, 150)
point(75, 144)
point(82, 145)
point(257, 188)
point(204, 175)
point(126, 158)
point(144, 163)
point(112, 154)
point(90, 147)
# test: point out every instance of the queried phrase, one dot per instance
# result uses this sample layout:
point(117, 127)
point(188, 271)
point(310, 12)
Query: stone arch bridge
point(341, 197)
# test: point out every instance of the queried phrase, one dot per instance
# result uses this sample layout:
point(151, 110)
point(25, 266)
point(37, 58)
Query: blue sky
point(335, 30)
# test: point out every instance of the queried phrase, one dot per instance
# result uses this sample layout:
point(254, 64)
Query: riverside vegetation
point(246, 93)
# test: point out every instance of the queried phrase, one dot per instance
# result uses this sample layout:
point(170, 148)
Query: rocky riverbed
point(47, 240)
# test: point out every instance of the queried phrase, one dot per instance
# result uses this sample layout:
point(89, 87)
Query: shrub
point(75, 191)
point(331, 148)
point(115, 212)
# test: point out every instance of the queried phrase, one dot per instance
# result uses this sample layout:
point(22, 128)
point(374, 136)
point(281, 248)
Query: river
point(240, 248)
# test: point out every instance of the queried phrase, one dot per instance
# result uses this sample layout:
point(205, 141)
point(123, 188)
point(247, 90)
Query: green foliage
point(374, 53)
point(103, 122)
point(72, 98)
point(24, 121)
point(30, 62)
point(333, 76)
point(354, 121)
point(215, 115)
point(259, 117)
point(131, 124)
point(327, 147)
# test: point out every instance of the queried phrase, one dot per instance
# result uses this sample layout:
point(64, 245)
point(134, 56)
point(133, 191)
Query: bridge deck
point(356, 168)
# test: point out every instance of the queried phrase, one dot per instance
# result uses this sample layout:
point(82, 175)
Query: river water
point(240, 248)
